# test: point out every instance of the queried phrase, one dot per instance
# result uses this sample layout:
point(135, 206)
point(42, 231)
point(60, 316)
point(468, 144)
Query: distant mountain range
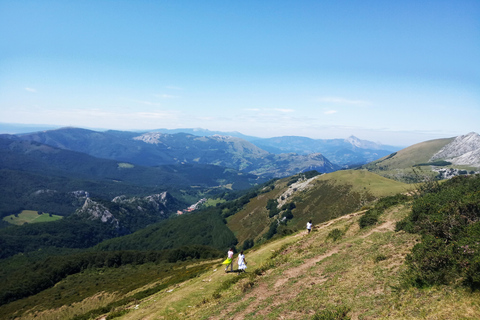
point(156, 148)
point(345, 153)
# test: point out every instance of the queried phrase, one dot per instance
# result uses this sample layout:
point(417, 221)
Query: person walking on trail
point(242, 263)
point(229, 260)
point(309, 226)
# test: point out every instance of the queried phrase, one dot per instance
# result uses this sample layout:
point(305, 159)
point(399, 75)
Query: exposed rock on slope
point(96, 211)
point(130, 214)
point(464, 150)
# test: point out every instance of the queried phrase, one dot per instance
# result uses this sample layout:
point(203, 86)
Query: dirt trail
point(262, 291)
point(301, 269)
point(384, 227)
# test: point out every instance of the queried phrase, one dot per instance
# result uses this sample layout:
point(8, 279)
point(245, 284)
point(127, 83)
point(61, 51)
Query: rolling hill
point(319, 199)
point(441, 158)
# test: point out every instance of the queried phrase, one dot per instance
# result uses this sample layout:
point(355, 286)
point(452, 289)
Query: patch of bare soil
point(384, 227)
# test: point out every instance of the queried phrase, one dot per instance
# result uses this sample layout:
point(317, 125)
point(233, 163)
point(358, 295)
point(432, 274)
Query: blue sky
point(396, 72)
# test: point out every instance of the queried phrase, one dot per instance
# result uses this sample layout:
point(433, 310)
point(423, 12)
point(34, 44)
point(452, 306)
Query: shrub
point(369, 218)
point(448, 218)
point(288, 215)
point(335, 234)
point(247, 244)
point(272, 208)
point(333, 313)
point(272, 230)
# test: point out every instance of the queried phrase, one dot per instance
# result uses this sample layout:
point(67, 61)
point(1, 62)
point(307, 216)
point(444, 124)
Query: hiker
point(309, 226)
point(229, 260)
point(242, 263)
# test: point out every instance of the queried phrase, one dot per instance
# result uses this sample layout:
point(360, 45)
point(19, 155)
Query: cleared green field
point(30, 216)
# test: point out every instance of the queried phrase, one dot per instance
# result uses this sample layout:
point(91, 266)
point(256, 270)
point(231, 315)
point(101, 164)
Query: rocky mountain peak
point(151, 137)
point(362, 144)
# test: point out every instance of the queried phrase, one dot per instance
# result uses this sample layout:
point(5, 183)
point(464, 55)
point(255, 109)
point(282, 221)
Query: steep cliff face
point(464, 150)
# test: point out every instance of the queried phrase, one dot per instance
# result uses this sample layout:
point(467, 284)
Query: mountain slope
point(339, 270)
point(299, 277)
point(319, 199)
point(441, 158)
point(154, 149)
point(399, 165)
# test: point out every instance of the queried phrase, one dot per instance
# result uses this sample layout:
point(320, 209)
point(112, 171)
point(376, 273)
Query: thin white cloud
point(330, 112)
point(31, 89)
point(174, 88)
point(284, 110)
point(344, 101)
point(165, 96)
point(148, 103)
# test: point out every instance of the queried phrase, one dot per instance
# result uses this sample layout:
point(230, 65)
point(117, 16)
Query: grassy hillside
point(302, 276)
point(322, 198)
point(399, 165)
point(339, 271)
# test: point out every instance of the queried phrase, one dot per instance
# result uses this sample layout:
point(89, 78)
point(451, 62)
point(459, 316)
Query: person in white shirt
point(242, 263)
point(309, 226)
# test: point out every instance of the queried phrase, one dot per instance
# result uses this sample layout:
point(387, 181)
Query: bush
point(272, 208)
point(333, 313)
point(448, 218)
point(370, 218)
point(247, 244)
point(288, 215)
point(272, 230)
point(380, 257)
point(335, 234)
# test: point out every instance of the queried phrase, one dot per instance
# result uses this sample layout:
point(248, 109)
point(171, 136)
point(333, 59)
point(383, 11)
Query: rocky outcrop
point(128, 214)
point(93, 210)
point(464, 150)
